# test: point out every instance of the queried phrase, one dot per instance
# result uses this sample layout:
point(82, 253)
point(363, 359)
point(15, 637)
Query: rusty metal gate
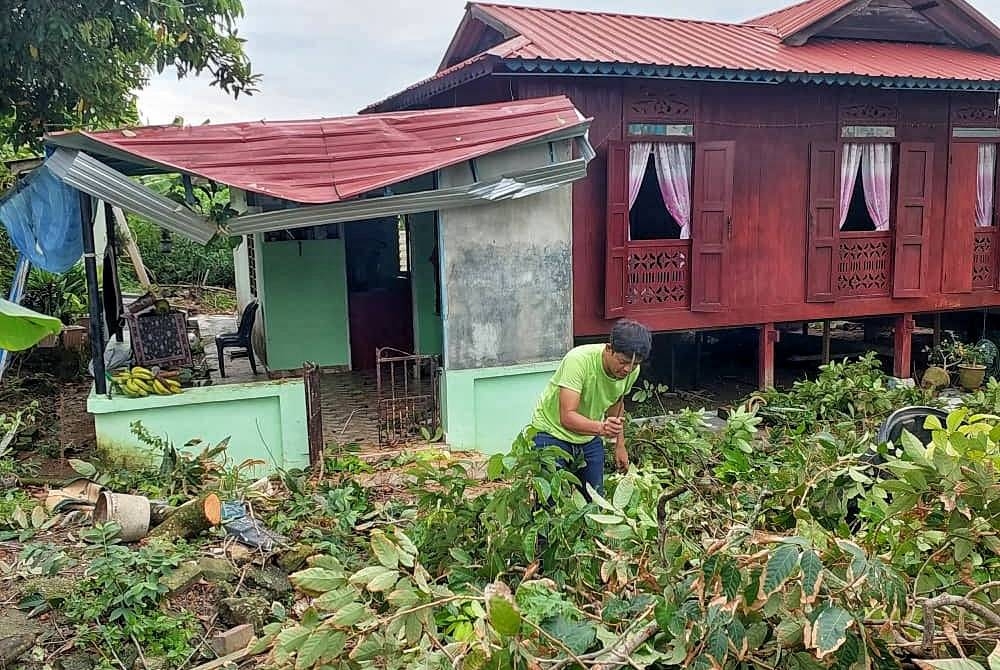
point(407, 386)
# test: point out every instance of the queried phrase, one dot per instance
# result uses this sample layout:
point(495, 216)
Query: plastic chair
point(240, 339)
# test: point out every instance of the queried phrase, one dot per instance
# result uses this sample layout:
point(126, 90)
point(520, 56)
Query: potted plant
point(971, 366)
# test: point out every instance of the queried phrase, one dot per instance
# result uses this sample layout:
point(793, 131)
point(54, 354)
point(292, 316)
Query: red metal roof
point(564, 35)
point(790, 20)
point(328, 160)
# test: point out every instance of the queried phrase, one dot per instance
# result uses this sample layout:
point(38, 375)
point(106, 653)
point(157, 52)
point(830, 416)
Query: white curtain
point(638, 159)
point(984, 185)
point(849, 165)
point(876, 175)
point(673, 172)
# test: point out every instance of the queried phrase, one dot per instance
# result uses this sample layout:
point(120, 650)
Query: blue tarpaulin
point(42, 215)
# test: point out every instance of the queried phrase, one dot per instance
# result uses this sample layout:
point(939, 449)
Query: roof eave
point(418, 94)
point(524, 66)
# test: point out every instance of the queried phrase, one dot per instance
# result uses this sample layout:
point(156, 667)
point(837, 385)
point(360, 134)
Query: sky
point(322, 58)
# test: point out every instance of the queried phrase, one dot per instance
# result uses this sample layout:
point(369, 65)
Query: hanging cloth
point(42, 215)
point(110, 290)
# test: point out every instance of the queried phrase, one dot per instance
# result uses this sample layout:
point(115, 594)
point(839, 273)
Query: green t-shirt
point(582, 370)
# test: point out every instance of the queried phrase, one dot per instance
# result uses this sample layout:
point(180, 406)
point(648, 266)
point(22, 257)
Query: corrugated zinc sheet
point(790, 20)
point(329, 160)
point(563, 35)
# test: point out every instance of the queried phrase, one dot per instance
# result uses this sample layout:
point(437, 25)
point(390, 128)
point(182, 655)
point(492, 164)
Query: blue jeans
point(588, 460)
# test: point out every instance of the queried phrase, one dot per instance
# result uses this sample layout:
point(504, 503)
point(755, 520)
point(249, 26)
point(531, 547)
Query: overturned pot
point(131, 513)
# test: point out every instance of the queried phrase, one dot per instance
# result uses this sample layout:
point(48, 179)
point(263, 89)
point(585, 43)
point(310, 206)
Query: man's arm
point(621, 453)
point(571, 419)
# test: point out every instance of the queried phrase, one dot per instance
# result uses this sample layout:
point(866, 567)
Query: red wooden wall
point(774, 137)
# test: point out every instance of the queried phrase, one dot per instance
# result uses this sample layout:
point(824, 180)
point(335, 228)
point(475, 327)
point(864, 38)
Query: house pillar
point(902, 346)
point(93, 294)
point(826, 342)
point(765, 355)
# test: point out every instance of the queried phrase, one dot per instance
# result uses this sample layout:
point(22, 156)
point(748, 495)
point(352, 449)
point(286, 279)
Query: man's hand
point(611, 427)
point(621, 457)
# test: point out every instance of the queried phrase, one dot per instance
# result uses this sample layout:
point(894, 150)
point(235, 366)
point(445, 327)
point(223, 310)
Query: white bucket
point(129, 512)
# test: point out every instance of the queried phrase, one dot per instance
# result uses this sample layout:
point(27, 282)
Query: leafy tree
point(73, 64)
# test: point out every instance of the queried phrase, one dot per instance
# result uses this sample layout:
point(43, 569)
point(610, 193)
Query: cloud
point(331, 58)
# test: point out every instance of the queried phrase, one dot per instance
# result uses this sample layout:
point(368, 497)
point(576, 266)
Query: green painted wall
point(264, 420)
point(427, 329)
point(485, 409)
point(304, 288)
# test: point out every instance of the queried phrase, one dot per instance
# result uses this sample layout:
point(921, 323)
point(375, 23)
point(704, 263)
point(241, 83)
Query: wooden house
point(832, 160)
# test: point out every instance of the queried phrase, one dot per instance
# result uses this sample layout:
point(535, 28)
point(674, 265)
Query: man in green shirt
point(583, 402)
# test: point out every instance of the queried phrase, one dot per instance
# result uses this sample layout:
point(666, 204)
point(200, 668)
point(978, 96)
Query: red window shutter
point(712, 226)
point(913, 214)
point(616, 262)
point(960, 218)
point(824, 223)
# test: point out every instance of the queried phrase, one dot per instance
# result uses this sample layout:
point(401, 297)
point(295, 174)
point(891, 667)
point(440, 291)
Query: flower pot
point(48, 342)
point(131, 513)
point(970, 377)
point(74, 337)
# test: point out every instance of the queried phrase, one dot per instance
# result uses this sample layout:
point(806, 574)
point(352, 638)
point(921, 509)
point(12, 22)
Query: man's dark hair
point(631, 338)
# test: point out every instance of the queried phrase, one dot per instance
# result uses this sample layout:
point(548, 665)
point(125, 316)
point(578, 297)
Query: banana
point(142, 384)
point(133, 387)
point(159, 388)
point(143, 373)
point(172, 386)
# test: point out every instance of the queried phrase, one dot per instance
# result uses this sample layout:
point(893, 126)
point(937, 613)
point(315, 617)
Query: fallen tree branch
point(619, 655)
point(948, 600)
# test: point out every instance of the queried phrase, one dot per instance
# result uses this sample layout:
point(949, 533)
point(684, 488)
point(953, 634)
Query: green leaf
point(789, 633)
point(812, 574)
point(384, 549)
point(317, 580)
point(335, 645)
point(403, 598)
point(577, 635)
point(859, 560)
point(542, 488)
point(829, 631)
point(994, 658)
point(312, 649)
point(718, 645)
point(350, 614)
point(384, 581)
point(850, 654)
point(83, 468)
point(365, 575)
point(22, 328)
point(331, 601)
point(504, 617)
point(914, 448)
point(405, 543)
point(623, 493)
point(730, 578)
point(948, 664)
point(291, 639)
point(779, 568)
point(606, 519)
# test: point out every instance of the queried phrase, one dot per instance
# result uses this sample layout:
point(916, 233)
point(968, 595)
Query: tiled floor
point(350, 414)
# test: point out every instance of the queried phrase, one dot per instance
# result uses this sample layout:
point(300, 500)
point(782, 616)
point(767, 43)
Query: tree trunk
point(191, 518)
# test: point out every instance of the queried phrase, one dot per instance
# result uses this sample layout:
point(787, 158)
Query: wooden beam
point(826, 342)
point(937, 329)
point(697, 359)
point(765, 356)
point(925, 6)
point(799, 38)
point(93, 294)
point(902, 345)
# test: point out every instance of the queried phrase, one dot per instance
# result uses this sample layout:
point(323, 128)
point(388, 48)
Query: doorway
point(379, 291)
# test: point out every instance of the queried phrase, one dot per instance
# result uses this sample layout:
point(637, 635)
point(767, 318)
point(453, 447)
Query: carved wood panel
point(984, 260)
point(974, 115)
point(647, 102)
point(658, 274)
point(865, 265)
point(869, 109)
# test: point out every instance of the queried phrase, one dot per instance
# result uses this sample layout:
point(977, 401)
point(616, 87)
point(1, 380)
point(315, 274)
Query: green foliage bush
point(186, 263)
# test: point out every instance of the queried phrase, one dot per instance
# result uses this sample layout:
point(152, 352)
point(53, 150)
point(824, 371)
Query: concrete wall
point(507, 270)
point(303, 286)
point(427, 328)
point(265, 421)
point(485, 409)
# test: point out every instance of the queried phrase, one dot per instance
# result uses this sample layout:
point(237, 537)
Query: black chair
point(240, 339)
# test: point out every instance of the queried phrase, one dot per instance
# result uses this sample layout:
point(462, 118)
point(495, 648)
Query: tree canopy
point(76, 63)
